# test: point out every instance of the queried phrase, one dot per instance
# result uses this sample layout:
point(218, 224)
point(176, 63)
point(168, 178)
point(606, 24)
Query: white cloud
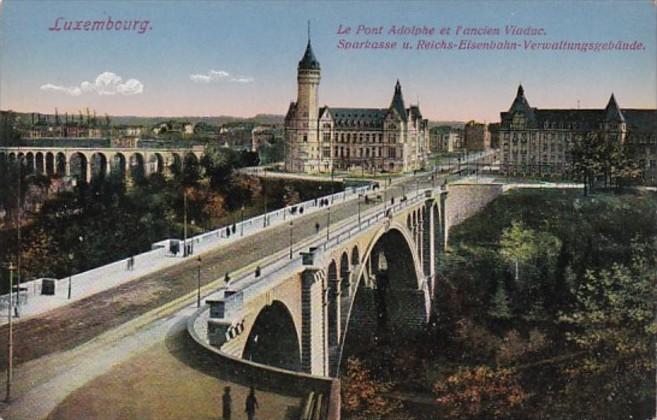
point(106, 83)
point(72, 91)
point(218, 75)
point(242, 79)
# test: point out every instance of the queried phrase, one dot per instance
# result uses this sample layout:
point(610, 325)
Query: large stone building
point(538, 141)
point(392, 139)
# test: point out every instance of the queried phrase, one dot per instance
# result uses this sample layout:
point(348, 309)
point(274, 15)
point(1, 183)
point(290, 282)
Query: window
point(305, 137)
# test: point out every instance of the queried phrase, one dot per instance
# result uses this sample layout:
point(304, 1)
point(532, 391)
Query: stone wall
point(465, 200)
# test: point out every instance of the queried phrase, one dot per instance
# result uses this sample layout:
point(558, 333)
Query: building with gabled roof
point(538, 141)
point(324, 139)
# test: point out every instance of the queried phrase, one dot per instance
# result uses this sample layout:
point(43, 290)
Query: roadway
point(92, 339)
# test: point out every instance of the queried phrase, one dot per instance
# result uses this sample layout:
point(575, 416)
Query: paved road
point(48, 348)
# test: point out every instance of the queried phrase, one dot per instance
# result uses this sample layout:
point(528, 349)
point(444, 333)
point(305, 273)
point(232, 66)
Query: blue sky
point(258, 45)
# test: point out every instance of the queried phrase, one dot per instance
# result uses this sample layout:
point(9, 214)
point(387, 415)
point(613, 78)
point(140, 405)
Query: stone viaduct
point(374, 275)
point(86, 163)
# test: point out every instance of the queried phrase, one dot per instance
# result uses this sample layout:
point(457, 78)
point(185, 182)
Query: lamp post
point(291, 233)
point(184, 223)
point(359, 196)
point(264, 190)
point(242, 221)
point(328, 223)
point(70, 274)
point(198, 283)
point(10, 332)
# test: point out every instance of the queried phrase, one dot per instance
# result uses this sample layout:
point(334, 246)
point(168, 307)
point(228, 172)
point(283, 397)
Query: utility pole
point(291, 233)
point(359, 195)
point(70, 274)
point(10, 341)
point(198, 283)
point(184, 223)
point(264, 189)
point(328, 223)
point(242, 221)
point(18, 225)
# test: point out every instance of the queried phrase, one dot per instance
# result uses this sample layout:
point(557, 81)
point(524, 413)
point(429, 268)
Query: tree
point(499, 307)
point(362, 394)
point(9, 135)
point(480, 392)
point(613, 321)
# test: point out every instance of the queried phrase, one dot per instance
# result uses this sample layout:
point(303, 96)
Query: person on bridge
point(226, 404)
point(316, 227)
point(251, 404)
point(257, 271)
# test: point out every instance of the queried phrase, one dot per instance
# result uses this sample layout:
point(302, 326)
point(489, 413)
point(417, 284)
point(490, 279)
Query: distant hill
point(150, 121)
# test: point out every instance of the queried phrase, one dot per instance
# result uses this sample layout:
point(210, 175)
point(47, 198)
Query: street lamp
point(184, 223)
point(291, 233)
point(242, 221)
point(264, 190)
point(198, 283)
point(70, 274)
point(10, 332)
point(359, 197)
point(328, 223)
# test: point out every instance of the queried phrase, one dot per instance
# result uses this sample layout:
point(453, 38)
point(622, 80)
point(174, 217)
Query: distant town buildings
point(476, 136)
point(262, 135)
point(538, 141)
point(391, 139)
point(446, 139)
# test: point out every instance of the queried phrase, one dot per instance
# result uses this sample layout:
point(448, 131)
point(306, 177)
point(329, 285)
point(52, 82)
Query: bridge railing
point(251, 286)
point(240, 229)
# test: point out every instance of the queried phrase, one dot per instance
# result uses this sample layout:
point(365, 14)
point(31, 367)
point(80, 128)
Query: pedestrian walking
point(226, 404)
point(257, 271)
point(251, 404)
point(316, 227)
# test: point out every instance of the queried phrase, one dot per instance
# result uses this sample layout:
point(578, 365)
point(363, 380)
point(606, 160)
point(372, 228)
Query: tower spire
point(308, 30)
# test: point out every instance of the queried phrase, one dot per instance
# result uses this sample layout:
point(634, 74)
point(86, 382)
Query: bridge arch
point(391, 295)
point(99, 166)
point(273, 339)
point(355, 257)
point(118, 165)
point(345, 270)
point(50, 163)
point(79, 166)
point(333, 304)
point(155, 163)
point(39, 163)
point(137, 166)
point(60, 164)
point(29, 162)
point(175, 166)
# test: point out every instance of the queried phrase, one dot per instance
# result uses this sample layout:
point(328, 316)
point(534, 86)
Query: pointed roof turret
point(520, 104)
point(613, 112)
point(309, 61)
point(398, 101)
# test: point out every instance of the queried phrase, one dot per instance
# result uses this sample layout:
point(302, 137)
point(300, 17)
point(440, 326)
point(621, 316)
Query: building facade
point(324, 139)
point(538, 141)
point(476, 136)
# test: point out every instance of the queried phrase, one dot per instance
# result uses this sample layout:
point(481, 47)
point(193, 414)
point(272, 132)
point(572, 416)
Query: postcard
point(328, 209)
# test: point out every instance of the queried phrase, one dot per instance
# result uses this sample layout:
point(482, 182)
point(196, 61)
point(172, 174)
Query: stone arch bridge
point(375, 273)
point(87, 163)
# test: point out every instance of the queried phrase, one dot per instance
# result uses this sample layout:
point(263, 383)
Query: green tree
point(499, 306)
point(613, 321)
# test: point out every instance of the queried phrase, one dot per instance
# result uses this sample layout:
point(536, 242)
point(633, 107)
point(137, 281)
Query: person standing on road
point(251, 404)
point(226, 404)
point(316, 227)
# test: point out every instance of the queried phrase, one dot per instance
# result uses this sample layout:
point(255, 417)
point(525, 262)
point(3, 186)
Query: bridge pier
point(314, 322)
